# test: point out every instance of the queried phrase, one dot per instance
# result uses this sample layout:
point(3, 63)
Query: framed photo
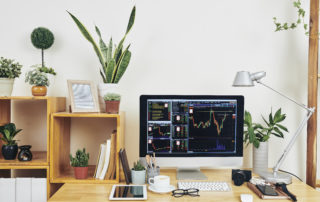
point(83, 96)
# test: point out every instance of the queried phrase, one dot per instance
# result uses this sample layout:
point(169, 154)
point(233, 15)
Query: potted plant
point(10, 147)
point(258, 135)
point(39, 80)
point(80, 164)
point(112, 101)
point(9, 70)
point(138, 173)
point(114, 59)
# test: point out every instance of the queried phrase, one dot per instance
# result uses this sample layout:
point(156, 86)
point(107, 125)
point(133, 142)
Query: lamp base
point(276, 177)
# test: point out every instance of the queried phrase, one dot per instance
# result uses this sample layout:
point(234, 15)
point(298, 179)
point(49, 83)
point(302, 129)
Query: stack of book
point(106, 162)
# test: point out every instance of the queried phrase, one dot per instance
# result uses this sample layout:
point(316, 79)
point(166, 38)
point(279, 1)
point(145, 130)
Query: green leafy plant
point(113, 63)
point(47, 70)
point(286, 26)
point(112, 97)
point(81, 159)
point(9, 68)
point(255, 133)
point(36, 78)
point(9, 131)
point(137, 166)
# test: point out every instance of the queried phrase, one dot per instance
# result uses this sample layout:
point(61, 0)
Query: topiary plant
point(137, 166)
point(42, 38)
point(37, 78)
point(9, 131)
point(112, 97)
point(9, 68)
point(81, 159)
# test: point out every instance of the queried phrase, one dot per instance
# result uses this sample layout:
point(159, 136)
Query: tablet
point(128, 192)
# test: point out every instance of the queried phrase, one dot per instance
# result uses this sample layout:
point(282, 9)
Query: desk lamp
point(245, 79)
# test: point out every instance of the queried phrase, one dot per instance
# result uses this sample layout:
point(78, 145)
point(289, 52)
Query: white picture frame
point(83, 96)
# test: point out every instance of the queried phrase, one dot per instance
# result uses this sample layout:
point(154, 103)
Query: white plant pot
point(6, 86)
point(260, 158)
point(138, 177)
point(104, 88)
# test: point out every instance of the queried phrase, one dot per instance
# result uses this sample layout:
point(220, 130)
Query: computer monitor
point(192, 131)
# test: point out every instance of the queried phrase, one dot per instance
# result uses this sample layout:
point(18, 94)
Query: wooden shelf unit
point(60, 169)
point(40, 158)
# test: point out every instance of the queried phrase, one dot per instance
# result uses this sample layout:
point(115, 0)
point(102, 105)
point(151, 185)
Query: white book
point(106, 160)
point(39, 189)
point(101, 160)
point(23, 190)
point(8, 189)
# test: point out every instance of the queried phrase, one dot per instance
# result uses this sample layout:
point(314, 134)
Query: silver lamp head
point(245, 79)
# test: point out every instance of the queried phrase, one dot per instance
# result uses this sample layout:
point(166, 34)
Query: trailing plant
point(47, 70)
point(81, 159)
point(36, 78)
point(9, 68)
point(9, 131)
point(112, 97)
point(301, 13)
point(113, 62)
point(42, 38)
point(255, 133)
point(137, 166)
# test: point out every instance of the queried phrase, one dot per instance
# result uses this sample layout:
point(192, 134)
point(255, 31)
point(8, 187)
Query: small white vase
point(6, 86)
point(138, 177)
point(260, 158)
point(103, 89)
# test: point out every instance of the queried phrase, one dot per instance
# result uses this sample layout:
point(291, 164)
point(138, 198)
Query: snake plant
point(113, 63)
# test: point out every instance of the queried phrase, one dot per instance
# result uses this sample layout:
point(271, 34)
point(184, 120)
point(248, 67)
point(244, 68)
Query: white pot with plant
point(9, 70)
point(39, 81)
point(112, 102)
point(138, 173)
point(259, 135)
point(114, 59)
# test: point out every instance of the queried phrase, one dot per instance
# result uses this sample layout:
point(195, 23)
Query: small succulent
point(137, 166)
point(112, 97)
point(37, 78)
point(9, 68)
point(9, 131)
point(44, 69)
point(81, 159)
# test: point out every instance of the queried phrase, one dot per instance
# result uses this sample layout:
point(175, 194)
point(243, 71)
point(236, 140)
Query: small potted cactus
point(112, 101)
point(138, 173)
point(80, 164)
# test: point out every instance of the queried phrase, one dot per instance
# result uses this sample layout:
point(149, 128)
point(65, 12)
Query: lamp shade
point(243, 79)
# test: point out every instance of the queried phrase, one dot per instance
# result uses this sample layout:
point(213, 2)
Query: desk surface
point(100, 192)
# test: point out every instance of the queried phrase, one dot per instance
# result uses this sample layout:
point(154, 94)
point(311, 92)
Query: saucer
point(169, 189)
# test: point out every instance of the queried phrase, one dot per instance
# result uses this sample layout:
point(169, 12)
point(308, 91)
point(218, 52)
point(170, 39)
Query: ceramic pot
point(39, 90)
point(112, 107)
point(9, 152)
point(104, 88)
point(6, 86)
point(80, 172)
point(138, 177)
point(25, 153)
point(260, 158)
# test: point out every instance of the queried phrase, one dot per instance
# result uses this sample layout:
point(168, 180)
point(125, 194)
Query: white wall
point(179, 47)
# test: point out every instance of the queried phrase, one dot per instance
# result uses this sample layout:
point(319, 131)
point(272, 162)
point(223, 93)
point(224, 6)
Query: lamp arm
point(292, 141)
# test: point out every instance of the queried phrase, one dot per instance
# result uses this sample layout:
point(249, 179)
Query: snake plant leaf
point(87, 35)
point(123, 64)
point(118, 50)
point(131, 20)
point(103, 47)
point(109, 70)
point(103, 77)
point(109, 53)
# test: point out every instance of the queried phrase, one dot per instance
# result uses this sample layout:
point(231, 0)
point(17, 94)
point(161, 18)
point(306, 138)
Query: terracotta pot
point(103, 89)
point(80, 172)
point(112, 107)
point(39, 90)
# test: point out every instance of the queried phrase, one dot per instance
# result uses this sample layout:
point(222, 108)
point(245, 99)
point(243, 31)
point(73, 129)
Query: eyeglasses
point(182, 192)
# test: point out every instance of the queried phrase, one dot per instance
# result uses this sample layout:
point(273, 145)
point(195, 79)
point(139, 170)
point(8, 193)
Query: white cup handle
point(150, 181)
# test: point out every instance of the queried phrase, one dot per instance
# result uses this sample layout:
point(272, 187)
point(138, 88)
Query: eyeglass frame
point(191, 192)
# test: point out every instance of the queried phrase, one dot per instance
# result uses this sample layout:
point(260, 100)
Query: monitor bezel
point(143, 124)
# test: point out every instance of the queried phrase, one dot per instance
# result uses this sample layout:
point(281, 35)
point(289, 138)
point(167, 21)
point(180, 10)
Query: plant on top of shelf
point(10, 147)
point(9, 70)
point(112, 101)
point(42, 38)
point(39, 81)
point(138, 173)
point(113, 62)
point(80, 164)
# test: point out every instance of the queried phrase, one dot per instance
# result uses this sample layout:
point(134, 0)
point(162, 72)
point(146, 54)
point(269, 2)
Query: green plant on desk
point(255, 133)
point(137, 166)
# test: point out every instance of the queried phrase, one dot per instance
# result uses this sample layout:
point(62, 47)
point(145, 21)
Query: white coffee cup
point(160, 182)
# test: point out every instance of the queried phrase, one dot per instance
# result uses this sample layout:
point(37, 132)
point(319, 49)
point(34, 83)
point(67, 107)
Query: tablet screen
point(128, 192)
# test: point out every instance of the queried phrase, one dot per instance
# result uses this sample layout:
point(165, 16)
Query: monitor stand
point(190, 174)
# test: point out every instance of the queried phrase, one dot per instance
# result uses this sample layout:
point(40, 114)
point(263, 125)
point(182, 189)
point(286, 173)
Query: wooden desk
point(100, 193)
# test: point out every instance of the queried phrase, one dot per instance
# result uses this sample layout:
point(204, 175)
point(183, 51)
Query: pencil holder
point(152, 172)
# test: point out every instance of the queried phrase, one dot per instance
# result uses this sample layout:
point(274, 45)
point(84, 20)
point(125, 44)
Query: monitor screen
point(189, 126)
